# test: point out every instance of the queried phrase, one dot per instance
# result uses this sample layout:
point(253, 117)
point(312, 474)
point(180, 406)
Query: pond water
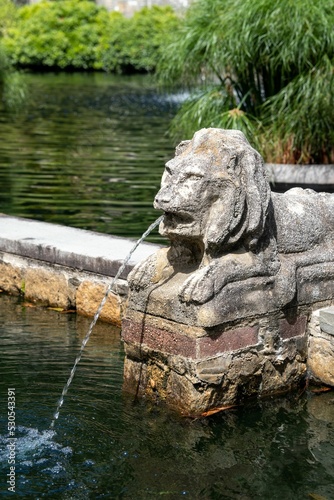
point(107, 445)
point(88, 151)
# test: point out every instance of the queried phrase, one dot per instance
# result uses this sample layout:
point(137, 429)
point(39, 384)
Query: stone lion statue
point(225, 225)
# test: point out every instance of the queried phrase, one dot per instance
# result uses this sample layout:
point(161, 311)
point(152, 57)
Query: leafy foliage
point(270, 61)
point(57, 34)
point(135, 43)
point(7, 13)
point(301, 116)
point(12, 90)
point(212, 108)
point(78, 34)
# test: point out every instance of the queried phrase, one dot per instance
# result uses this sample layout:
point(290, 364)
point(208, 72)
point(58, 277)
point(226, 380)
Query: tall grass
point(263, 66)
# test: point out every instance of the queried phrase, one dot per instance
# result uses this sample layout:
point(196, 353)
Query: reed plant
point(263, 66)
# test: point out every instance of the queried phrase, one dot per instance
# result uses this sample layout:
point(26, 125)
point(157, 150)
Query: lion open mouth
point(172, 219)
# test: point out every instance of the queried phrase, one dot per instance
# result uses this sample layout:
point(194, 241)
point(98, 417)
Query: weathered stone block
point(186, 398)
point(230, 340)
point(11, 278)
point(212, 370)
point(159, 339)
point(316, 282)
point(320, 361)
point(135, 377)
point(89, 296)
point(50, 287)
point(326, 317)
point(292, 328)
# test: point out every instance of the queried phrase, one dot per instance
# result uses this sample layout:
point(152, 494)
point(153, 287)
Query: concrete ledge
point(68, 246)
point(64, 267)
point(318, 177)
point(320, 361)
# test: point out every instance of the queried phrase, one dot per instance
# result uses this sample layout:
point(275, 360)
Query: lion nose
point(162, 199)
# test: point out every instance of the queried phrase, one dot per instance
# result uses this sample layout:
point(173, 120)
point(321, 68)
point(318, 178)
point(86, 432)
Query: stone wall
point(198, 370)
point(61, 287)
point(63, 267)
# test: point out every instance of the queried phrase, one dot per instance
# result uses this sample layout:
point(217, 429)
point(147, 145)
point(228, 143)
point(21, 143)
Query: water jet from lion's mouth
point(96, 317)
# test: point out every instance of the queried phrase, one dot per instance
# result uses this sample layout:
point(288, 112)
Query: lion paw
point(198, 288)
point(141, 275)
point(151, 271)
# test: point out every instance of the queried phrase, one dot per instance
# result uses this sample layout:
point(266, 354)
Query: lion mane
point(233, 161)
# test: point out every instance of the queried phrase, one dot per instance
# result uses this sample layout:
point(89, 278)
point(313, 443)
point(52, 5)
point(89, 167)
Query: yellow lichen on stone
point(10, 278)
point(48, 287)
point(88, 298)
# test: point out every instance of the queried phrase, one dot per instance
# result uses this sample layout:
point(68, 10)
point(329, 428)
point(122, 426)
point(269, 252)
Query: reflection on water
point(89, 152)
point(107, 445)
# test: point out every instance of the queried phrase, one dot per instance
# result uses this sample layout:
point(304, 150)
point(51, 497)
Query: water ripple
point(89, 147)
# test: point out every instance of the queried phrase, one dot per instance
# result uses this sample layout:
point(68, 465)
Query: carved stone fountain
point(222, 314)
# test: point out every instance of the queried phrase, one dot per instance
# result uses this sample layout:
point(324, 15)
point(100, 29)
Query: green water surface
point(88, 151)
point(107, 445)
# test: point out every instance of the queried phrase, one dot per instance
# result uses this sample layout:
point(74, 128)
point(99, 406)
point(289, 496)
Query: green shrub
point(7, 14)
point(80, 35)
point(266, 66)
point(12, 89)
point(62, 34)
point(134, 44)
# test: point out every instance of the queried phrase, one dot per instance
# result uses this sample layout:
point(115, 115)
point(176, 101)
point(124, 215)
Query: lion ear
point(224, 216)
point(257, 191)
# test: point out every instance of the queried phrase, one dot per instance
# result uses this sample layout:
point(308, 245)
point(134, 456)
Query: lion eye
point(194, 177)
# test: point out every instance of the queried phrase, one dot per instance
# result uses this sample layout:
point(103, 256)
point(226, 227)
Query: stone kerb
point(320, 361)
point(61, 287)
point(318, 177)
point(63, 267)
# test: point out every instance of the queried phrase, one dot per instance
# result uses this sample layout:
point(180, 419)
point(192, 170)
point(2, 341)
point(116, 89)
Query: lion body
point(222, 219)
point(303, 219)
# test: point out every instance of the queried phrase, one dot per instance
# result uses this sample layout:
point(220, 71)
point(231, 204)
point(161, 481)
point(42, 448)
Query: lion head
point(214, 191)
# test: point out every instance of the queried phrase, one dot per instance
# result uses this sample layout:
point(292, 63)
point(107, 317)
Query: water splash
point(96, 317)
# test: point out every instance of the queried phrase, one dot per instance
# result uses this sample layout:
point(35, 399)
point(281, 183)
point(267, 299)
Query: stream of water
point(97, 315)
